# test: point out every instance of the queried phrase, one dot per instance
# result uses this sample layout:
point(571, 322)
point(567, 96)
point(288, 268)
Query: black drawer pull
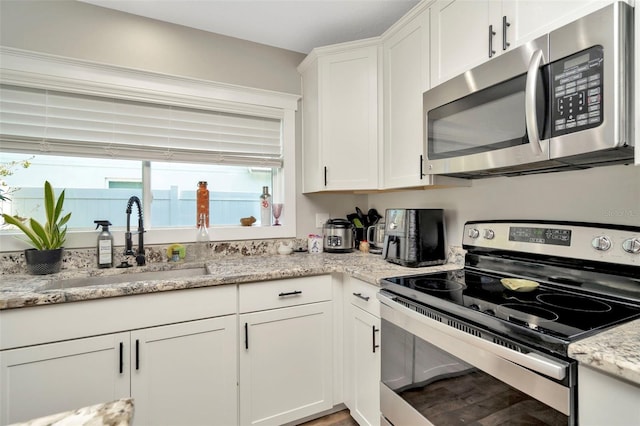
point(365, 298)
point(121, 357)
point(374, 338)
point(137, 354)
point(291, 293)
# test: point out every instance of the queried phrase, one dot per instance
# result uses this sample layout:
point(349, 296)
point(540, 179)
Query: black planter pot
point(43, 262)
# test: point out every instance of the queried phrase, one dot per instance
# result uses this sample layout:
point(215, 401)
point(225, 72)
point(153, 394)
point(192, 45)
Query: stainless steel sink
point(61, 284)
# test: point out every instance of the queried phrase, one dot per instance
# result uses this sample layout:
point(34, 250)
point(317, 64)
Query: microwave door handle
point(531, 115)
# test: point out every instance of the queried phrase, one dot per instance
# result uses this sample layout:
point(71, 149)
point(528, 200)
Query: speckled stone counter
point(115, 413)
point(616, 351)
point(20, 290)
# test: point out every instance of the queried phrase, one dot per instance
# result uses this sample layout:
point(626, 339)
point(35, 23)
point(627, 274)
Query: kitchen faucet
point(140, 260)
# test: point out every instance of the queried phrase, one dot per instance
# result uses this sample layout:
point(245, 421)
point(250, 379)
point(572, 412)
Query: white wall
point(604, 195)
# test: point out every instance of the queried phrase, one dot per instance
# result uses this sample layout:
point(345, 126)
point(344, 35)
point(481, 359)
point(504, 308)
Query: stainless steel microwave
point(560, 102)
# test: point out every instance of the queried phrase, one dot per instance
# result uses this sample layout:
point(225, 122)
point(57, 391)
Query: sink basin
point(124, 278)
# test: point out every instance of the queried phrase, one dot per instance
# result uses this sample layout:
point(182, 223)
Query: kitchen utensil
point(362, 217)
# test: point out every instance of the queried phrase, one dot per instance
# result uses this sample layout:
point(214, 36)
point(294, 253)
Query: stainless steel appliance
point(462, 347)
point(338, 236)
point(375, 235)
point(414, 237)
point(560, 102)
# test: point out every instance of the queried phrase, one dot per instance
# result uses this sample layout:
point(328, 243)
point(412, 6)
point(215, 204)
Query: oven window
point(448, 391)
point(486, 120)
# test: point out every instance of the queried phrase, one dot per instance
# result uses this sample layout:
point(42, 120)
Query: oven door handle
point(529, 360)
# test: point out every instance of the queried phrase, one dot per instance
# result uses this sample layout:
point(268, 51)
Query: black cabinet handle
point(491, 34)
point(291, 293)
point(246, 335)
point(137, 354)
point(374, 331)
point(421, 167)
point(365, 298)
point(505, 25)
point(121, 357)
point(325, 175)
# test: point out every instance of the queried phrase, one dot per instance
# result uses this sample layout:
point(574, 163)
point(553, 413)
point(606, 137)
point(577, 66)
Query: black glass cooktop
point(547, 314)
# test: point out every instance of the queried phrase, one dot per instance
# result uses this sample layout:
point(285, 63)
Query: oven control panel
point(613, 244)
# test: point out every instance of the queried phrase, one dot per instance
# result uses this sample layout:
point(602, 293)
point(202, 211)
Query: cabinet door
point(348, 84)
point(364, 367)
point(41, 380)
point(460, 36)
point(529, 19)
point(406, 77)
point(285, 364)
point(186, 373)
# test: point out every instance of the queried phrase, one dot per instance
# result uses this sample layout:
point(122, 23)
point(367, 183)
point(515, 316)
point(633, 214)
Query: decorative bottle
point(265, 207)
point(202, 239)
point(202, 203)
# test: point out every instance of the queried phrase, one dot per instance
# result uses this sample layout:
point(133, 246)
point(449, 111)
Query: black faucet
point(128, 250)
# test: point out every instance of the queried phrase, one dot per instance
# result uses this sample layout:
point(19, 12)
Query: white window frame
point(32, 69)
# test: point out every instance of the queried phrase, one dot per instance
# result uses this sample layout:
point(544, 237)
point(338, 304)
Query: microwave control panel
point(577, 91)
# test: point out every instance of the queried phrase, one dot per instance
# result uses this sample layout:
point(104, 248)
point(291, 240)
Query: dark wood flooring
point(341, 418)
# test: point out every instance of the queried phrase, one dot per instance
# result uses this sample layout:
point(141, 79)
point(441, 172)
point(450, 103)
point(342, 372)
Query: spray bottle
point(105, 245)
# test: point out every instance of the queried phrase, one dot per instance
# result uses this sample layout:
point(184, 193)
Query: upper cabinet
point(467, 33)
point(340, 117)
point(406, 77)
point(463, 34)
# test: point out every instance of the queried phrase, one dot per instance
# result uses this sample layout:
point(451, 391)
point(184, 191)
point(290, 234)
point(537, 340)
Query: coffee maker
point(415, 237)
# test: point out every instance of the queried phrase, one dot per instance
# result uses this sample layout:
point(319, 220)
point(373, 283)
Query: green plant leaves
point(53, 234)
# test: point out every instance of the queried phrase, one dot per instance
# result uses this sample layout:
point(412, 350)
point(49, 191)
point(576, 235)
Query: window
point(157, 144)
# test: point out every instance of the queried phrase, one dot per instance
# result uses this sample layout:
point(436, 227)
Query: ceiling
point(298, 25)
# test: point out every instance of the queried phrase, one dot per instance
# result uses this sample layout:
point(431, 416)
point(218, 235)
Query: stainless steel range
point(488, 344)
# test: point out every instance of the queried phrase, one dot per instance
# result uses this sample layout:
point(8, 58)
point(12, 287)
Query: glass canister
point(202, 203)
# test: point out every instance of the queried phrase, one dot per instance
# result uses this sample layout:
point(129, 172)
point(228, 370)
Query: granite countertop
point(115, 413)
point(615, 351)
point(21, 290)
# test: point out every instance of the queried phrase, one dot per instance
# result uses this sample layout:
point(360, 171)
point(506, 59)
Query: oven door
point(492, 117)
point(435, 374)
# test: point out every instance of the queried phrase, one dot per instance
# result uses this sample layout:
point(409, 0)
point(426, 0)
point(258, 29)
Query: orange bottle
point(202, 202)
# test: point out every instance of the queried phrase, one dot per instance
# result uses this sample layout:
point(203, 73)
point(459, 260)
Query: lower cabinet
point(46, 379)
point(362, 351)
point(186, 374)
point(177, 374)
point(286, 350)
point(606, 400)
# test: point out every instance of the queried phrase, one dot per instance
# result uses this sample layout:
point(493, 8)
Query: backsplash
point(14, 263)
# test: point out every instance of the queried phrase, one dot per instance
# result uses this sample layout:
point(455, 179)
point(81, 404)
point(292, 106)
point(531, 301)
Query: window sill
point(83, 239)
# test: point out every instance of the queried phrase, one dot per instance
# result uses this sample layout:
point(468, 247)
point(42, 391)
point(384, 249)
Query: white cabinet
point(467, 33)
point(362, 351)
point(340, 117)
point(101, 350)
point(46, 379)
point(177, 374)
point(460, 36)
point(604, 399)
point(186, 373)
point(406, 77)
point(286, 350)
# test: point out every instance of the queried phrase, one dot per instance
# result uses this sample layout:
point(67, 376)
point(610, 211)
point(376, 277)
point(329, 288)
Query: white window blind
point(45, 121)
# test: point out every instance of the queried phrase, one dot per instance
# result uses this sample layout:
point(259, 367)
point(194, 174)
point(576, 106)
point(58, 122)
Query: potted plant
point(47, 239)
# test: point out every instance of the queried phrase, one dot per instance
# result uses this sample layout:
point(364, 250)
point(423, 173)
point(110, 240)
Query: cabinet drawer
point(363, 295)
point(281, 293)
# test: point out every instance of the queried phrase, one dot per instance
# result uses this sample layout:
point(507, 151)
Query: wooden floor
point(341, 418)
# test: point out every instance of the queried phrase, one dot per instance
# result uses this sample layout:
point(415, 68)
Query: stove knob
point(632, 245)
point(473, 233)
point(489, 234)
point(601, 243)
point(474, 307)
